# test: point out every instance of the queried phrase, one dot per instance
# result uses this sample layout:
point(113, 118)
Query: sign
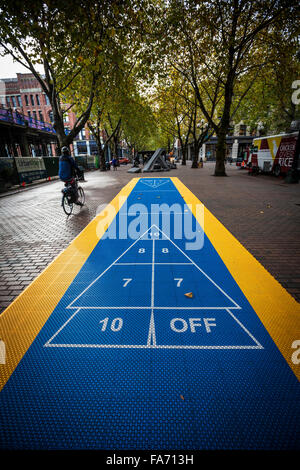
point(286, 152)
point(30, 168)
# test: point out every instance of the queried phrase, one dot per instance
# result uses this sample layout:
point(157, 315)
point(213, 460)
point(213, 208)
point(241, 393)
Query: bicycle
point(73, 194)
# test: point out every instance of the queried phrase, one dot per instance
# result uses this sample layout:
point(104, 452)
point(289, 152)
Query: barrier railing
point(15, 117)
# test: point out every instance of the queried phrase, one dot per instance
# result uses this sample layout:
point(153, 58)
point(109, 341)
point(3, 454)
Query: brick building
point(24, 95)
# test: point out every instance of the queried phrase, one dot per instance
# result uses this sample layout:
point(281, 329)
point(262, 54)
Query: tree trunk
point(61, 136)
point(183, 160)
point(102, 162)
point(101, 151)
point(224, 126)
point(115, 142)
point(195, 156)
point(221, 154)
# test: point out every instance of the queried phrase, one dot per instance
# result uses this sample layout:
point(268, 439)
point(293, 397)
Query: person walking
point(114, 163)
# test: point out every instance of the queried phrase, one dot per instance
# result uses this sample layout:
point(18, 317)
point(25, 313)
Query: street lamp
point(260, 127)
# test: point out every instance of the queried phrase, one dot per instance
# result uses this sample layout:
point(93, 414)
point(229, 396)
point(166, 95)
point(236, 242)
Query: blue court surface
point(128, 361)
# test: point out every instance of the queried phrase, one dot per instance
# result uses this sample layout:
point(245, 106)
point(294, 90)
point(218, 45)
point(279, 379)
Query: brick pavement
point(262, 212)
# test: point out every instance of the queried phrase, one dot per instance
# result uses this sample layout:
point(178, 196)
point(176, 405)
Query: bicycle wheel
point(67, 205)
point(81, 195)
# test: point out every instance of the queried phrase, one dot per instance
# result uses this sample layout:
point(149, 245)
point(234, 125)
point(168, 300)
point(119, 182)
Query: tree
point(180, 116)
point(119, 110)
point(214, 45)
point(200, 131)
point(269, 102)
point(138, 124)
point(71, 47)
point(173, 111)
point(101, 121)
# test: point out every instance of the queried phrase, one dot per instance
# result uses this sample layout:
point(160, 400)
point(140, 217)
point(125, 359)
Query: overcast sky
point(9, 68)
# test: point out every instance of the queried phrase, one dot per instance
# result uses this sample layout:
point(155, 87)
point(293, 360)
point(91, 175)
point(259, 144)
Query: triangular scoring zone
point(154, 183)
point(154, 232)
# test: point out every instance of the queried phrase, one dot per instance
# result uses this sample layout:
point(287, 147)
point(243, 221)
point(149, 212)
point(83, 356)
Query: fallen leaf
point(190, 295)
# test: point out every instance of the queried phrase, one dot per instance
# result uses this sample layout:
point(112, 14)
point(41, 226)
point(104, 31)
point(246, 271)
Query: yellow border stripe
point(21, 322)
point(277, 309)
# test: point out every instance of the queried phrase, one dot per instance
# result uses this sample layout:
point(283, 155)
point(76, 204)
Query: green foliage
point(150, 71)
point(269, 101)
point(75, 43)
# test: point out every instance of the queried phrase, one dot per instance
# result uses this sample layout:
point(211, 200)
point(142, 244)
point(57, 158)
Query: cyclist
point(68, 168)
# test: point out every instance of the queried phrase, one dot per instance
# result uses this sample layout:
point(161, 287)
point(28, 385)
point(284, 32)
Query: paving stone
point(6, 298)
point(4, 305)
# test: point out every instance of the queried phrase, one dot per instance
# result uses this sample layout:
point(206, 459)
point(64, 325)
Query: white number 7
point(127, 280)
point(179, 280)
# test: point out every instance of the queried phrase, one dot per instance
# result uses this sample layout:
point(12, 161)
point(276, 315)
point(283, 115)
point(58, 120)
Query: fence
point(15, 117)
point(18, 170)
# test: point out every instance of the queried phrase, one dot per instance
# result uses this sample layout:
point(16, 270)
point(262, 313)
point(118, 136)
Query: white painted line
point(137, 191)
point(148, 307)
point(160, 346)
point(133, 264)
point(121, 346)
point(141, 346)
point(205, 347)
point(153, 269)
point(151, 340)
point(70, 306)
point(172, 264)
point(154, 184)
point(61, 328)
point(150, 264)
point(201, 270)
point(95, 280)
point(245, 329)
point(152, 337)
point(133, 214)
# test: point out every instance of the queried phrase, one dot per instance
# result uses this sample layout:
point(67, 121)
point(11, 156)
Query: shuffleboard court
point(154, 329)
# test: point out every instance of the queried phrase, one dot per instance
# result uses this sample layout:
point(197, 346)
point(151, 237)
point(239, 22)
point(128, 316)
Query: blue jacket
point(67, 165)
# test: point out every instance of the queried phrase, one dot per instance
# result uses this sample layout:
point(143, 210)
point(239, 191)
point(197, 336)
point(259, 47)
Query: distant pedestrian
point(114, 163)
